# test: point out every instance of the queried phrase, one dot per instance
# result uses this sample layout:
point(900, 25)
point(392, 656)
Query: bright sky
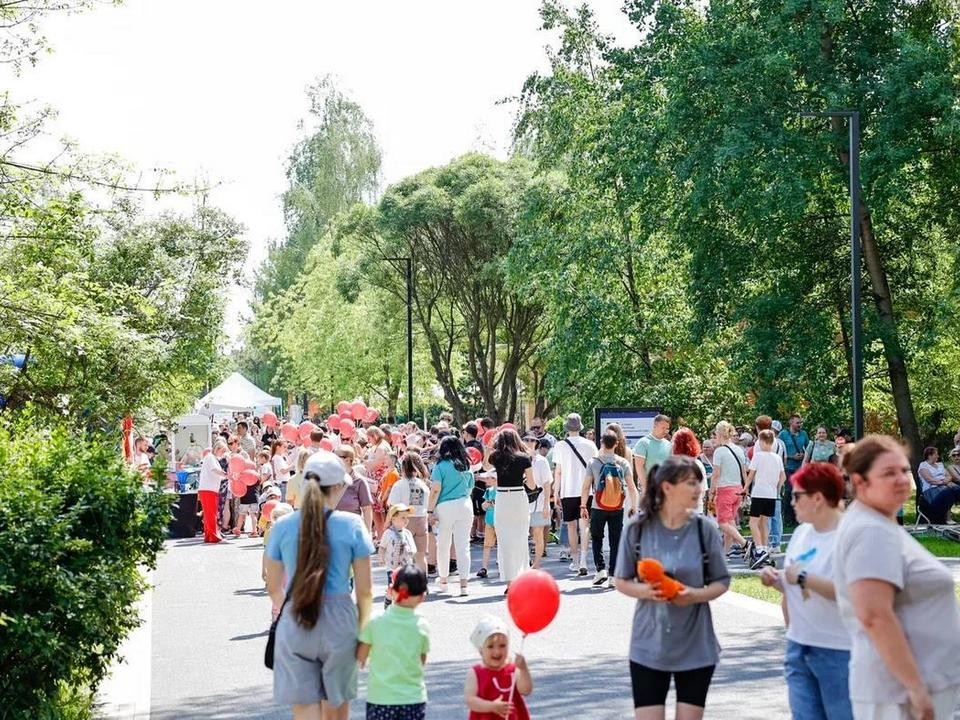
point(215, 88)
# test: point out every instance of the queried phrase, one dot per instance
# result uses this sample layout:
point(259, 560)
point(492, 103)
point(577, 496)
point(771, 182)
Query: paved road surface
point(210, 615)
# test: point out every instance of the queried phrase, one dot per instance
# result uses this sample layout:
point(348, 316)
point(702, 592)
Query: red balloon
point(306, 427)
point(249, 465)
point(489, 436)
point(371, 415)
point(326, 445)
point(475, 455)
point(238, 487)
point(346, 429)
point(236, 465)
point(333, 422)
point(267, 508)
point(342, 405)
point(269, 419)
point(358, 408)
point(249, 477)
point(508, 425)
point(346, 414)
point(533, 601)
point(290, 432)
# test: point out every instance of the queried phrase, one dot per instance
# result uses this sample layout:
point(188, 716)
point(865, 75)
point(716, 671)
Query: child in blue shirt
point(489, 533)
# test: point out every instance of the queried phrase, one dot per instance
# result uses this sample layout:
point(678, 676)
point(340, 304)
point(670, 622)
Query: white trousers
point(454, 520)
point(511, 518)
point(943, 706)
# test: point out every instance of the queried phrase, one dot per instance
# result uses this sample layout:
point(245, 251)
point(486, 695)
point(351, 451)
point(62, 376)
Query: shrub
point(75, 527)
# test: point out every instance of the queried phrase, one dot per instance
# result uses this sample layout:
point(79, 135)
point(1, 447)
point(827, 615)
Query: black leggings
point(650, 687)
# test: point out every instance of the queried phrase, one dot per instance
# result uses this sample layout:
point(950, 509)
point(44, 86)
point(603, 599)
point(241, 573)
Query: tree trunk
point(889, 336)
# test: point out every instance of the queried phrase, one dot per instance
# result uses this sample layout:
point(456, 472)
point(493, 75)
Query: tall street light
point(409, 263)
point(853, 122)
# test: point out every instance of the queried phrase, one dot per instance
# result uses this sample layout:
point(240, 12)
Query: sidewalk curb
point(125, 692)
point(745, 602)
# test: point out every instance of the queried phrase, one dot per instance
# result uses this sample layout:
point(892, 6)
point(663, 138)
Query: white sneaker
point(573, 567)
point(600, 578)
point(565, 556)
point(611, 583)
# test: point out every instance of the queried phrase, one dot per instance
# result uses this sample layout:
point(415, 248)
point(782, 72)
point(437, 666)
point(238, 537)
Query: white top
point(768, 467)
point(870, 546)
point(266, 472)
point(814, 621)
point(541, 476)
point(410, 491)
point(726, 471)
point(209, 479)
point(936, 471)
point(572, 471)
point(281, 468)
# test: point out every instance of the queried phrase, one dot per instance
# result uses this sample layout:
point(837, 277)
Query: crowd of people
point(858, 591)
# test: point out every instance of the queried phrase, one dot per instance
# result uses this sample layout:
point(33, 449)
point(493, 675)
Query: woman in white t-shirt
point(412, 489)
point(818, 645)
point(896, 599)
point(765, 478)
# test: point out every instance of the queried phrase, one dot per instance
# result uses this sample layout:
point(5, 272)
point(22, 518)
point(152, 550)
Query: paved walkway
point(209, 615)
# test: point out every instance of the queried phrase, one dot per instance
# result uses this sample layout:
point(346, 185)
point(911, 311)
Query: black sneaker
point(759, 560)
point(734, 551)
point(431, 570)
point(482, 573)
point(582, 572)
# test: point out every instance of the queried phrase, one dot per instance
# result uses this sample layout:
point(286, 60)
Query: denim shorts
point(817, 682)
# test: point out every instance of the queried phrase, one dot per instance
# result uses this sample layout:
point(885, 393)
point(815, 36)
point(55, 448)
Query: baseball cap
point(573, 423)
point(488, 625)
point(776, 425)
point(326, 468)
point(746, 437)
point(545, 442)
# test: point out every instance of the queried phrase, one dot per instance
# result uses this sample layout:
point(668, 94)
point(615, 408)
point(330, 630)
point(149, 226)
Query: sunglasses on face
point(797, 494)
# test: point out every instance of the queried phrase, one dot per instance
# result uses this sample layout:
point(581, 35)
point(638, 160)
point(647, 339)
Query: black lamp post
point(853, 122)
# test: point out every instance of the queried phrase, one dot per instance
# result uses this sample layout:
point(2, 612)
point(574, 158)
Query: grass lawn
point(750, 585)
point(941, 547)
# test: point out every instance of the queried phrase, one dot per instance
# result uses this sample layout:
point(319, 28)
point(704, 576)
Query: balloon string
point(513, 680)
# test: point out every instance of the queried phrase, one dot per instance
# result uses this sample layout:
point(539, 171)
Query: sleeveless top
point(495, 685)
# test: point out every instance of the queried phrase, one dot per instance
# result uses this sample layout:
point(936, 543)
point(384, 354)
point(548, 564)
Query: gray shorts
point(318, 664)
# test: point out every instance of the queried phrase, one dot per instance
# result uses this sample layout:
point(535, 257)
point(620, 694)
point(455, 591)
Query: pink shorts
point(728, 500)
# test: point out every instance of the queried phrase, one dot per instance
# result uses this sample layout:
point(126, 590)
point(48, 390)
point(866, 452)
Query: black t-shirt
point(510, 470)
point(251, 495)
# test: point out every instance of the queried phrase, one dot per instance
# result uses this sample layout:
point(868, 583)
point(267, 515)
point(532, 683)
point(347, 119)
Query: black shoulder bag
point(272, 635)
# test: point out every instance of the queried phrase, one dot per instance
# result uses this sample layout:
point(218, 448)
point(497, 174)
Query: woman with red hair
point(685, 443)
point(818, 644)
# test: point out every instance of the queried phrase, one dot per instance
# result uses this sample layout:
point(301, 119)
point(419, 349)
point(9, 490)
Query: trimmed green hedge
point(75, 526)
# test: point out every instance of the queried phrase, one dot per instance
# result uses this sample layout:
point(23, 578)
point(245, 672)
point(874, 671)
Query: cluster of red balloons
point(242, 474)
point(347, 416)
point(490, 435)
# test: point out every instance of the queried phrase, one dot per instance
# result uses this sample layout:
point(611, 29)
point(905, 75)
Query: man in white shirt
point(571, 457)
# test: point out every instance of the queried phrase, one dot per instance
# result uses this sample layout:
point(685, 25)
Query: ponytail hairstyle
point(313, 555)
point(674, 470)
point(723, 432)
point(412, 465)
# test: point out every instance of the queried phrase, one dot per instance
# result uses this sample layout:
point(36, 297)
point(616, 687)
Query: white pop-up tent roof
point(236, 393)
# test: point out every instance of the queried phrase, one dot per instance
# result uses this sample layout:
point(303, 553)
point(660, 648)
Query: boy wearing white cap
point(495, 687)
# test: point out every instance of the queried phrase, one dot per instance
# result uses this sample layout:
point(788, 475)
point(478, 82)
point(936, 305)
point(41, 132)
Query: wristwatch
point(802, 579)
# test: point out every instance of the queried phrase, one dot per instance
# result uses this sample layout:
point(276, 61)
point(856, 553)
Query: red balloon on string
point(358, 408)
point(290, 432)
point(489, 436)
point(269, 419)
point(236, 465)
point(342, 405)
point(249, 477)
point(346, 414)
point(333, 422)
point(249, 465)
point(346, 429)
point(267, 508)
point(326, 445)
point(508, 425)
point(533, 601)
point(475, 455)
point(371, 415)
point(306, 427)
point(238, 487)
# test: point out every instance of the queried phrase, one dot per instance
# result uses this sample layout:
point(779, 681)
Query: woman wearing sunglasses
point(818, 644)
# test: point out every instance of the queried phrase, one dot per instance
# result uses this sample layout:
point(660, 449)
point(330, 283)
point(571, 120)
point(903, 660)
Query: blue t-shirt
point(454, 484)
point(347, 537)
point(490, 495)
point(794, 444)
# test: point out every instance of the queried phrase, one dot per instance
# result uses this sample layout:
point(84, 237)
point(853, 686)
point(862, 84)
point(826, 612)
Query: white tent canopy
point(236, 393)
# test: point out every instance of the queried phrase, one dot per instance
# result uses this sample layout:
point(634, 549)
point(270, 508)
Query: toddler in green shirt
point(396, 644)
